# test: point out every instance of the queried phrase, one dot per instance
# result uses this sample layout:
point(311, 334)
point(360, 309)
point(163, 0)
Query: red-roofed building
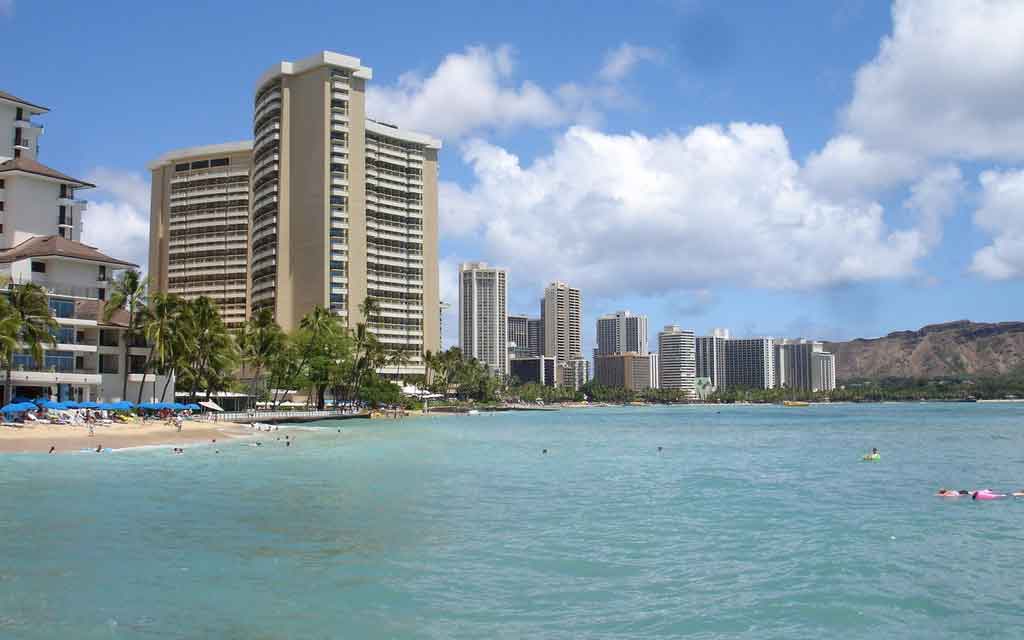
point(40, 243)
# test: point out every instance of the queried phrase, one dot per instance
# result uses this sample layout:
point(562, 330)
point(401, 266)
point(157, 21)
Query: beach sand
point(38, 438)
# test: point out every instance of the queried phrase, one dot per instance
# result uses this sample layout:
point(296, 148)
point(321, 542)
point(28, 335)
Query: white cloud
point(468, 91)
point(947, 82)
point(474, 91)
point(934, 198)
point(620, 61)
point(847, 168)
point(117, 219)
point(1002, 214)
point(649, 215)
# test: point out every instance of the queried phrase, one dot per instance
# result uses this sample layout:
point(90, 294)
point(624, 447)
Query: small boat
point(795, 403)
point(473, 412)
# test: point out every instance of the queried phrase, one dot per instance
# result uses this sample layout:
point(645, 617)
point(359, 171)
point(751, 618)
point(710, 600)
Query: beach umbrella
point(123, 405)
point(88, 405)
point(16, 407)
point(193, 407)
point(152, 406)
point(46, 403)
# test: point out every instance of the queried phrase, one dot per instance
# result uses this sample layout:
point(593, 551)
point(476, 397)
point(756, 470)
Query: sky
point(811, 169)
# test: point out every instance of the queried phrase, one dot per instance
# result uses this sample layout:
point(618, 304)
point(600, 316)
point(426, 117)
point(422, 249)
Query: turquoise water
point(753, 522)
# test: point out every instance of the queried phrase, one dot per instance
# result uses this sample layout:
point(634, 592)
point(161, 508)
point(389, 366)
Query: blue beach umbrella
point(46, 403)
point(193, 407)
point(17, 407)
point(88, 405)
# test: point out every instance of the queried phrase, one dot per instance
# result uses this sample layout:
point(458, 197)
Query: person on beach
point(99, 448)
point(53, 449)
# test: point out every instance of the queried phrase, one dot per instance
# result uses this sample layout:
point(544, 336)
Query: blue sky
point(829, 170)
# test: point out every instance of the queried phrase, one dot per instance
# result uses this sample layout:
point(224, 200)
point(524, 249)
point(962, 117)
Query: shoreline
point(38, 438)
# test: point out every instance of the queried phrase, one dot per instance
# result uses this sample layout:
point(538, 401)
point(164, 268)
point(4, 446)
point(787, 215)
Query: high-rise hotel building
point(343, 207)
point(483, 314)
point(677, 359)
point(199, 225)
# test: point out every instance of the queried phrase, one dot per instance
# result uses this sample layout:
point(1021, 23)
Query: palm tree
point(129, 293)
point(259, 340)
point(25, 320)
point(160, 324)
point(370, 308)
point(207, 351)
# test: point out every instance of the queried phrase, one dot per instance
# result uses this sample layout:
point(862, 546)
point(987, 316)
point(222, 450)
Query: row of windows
point(202, 164)
point(239, 201)
point(208, 182)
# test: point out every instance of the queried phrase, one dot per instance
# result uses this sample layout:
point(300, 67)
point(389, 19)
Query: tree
point(208, 352)
point(26, 320)
point(159, 322)
point(129, 294)
point(259, 340)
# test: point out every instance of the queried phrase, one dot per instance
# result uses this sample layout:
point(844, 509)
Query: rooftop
point(34, 167)
point(35, 108)
point(322, 59)
point(199, 152)
point(56, 246)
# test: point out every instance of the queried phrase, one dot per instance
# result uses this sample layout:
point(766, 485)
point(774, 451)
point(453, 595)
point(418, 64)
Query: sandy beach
point(38, 438)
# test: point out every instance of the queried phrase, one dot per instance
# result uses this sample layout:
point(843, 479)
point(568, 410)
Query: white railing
point(262, 416)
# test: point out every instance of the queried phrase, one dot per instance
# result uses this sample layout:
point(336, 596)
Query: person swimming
point(53, 449)
point(948, 493)
point(986, 494)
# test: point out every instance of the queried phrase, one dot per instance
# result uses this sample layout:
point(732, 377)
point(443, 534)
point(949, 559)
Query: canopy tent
point(210, 404)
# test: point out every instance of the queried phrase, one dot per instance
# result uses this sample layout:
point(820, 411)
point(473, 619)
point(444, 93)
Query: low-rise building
point(535, 369)
point(40, 233)
point(629, 370)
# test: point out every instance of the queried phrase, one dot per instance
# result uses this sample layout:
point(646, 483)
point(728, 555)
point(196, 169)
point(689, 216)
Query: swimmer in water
point(948, 493)
point(99, 448)
point(544, 451)
point(1018, 494)
point(53, 449)
point(659, 449)
point(986, 494)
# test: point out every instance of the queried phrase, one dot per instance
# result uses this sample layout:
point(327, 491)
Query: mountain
point(949, 349)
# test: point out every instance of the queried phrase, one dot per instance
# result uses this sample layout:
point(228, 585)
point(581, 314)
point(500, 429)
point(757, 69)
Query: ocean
point(750, 522)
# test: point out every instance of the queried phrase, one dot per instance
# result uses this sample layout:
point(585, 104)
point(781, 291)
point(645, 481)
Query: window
point(1, 203)
point(79, 362)
point(64, 335)
point(108, 363)
point(102, 277)
point(62, 308)
point(64, 191)
point(200, 164)
point(136, 364)
point(38, 267)
point(108, 338)
point(59, 361)
point(61, 232)
point(179, 167)
point(1, 183)
point(62, 214)
point(219, 162)
point(102, 294)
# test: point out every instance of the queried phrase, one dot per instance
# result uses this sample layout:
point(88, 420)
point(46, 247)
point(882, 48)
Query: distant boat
point(968, 399)
point(474, 412)
point(795, 403)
